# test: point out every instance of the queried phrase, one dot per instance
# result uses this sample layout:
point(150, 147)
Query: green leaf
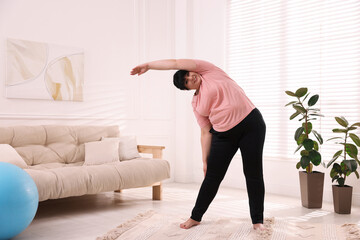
point(337, 130)
point(356, 124)
point(351, 149)
point(357, 160)
point(355, 138)
point(298, 132)
point(312, 101)
point(294, 115)
point(331, 162)
point(333, 173)
point(316, 114)
point(316, 146)
point(301, 139)
point(290, 93)
point(337, 167)
point(301, 92)
point(308, 144)
point(336, 155)
point(304, 161)
point(351, 165)
point(290, 103)
point(341, 181)
point(297, 149)
point(299, 109)
point(309, 127)
point(304, 153)
point(315, 157)
point(357, 174)
point(342, 121)
point(318, 137)
point(306, 96)
point(334, 178)
point(298, 165)
point(334, 138)
point(302, 118)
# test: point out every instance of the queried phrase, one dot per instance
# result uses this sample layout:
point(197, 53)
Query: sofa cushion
point(80, 180)
point(37, 154)
point(100, 152)
point(6, 135)
point(53, 143)
point(127, 147)
point(47, 166)
point(8, 154)
point(60, 182)
point(141, 172)
point(28, 135)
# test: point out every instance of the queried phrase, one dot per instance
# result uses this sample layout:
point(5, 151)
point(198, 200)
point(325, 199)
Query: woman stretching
point(228, 121)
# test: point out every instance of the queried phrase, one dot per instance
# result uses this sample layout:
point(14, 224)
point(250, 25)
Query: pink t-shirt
point(220, 100)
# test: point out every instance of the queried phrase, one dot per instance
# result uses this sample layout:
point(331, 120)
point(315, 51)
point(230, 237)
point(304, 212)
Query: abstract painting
point(36, 70)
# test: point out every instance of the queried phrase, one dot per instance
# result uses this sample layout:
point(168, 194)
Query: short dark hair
point(179, 79)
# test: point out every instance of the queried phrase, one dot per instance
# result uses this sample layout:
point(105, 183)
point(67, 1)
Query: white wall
point(116, 35)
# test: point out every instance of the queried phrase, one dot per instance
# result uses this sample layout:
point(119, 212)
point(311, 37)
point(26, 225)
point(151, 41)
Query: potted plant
point(311, 182)
point(342, 194)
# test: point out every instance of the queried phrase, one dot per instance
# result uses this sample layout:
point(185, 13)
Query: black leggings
point(249, 136)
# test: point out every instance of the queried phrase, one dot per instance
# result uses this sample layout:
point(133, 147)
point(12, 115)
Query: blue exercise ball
point(19, 200)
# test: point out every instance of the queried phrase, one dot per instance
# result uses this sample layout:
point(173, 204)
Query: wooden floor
point(91, 216)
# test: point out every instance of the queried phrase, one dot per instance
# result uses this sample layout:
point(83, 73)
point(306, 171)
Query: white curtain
point(273, 46)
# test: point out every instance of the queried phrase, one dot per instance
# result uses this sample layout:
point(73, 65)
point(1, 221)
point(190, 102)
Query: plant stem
point(345, 156)
point(306, 118)
point(306, 125)
point(345, 146)
point(308, 169)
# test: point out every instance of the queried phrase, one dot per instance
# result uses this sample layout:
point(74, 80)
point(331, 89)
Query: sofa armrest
point(156, 151)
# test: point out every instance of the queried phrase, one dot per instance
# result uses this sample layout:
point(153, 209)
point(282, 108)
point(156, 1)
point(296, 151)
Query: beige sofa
point(54, 157)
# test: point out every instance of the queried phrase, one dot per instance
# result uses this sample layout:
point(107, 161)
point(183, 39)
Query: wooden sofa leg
point(157, 192)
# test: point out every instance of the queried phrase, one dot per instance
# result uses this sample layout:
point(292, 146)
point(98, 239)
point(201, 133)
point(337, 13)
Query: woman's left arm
point(166, 64)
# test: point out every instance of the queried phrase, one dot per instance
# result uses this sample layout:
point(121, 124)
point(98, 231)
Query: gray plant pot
point(311, 188)
point(342, 197)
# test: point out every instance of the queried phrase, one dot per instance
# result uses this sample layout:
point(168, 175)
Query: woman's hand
point(140, 69)
point(204, 168)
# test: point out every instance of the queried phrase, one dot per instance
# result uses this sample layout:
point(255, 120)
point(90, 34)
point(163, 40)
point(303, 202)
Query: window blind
point(273, 46)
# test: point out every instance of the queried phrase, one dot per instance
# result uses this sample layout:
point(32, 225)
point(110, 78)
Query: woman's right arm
point(166, 64)
point(206, 137)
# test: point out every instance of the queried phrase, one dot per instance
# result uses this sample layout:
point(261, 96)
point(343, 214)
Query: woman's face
point(192, 80)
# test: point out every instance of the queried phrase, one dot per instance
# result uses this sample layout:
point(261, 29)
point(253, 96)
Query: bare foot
point(189, 223)
point(259, 226)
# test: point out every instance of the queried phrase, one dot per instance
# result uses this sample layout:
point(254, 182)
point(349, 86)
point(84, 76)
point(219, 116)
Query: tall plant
point(309, 155)
point(339, 172)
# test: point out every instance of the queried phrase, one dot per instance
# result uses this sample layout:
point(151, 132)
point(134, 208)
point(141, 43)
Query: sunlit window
point(273, 46)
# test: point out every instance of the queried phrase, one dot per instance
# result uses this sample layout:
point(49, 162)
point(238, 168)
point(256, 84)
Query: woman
point(228, 121)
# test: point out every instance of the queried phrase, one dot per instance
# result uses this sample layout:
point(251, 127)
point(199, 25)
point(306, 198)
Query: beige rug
point(154, 226)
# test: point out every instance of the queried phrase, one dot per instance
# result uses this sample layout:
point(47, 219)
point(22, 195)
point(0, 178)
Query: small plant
point(309, 155)
point(339, 172)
